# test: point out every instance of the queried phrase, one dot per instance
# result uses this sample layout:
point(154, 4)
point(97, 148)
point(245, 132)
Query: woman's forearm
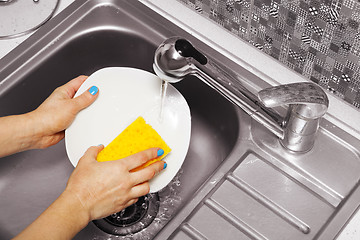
point(63, 219)
point(94, 190)
point(17, 134)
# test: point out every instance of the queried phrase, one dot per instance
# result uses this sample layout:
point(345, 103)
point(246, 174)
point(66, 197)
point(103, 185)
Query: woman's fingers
point(92, 152)
point(145, 174)
point(140, 158)
point(140, 190)
point(131, 202)
point(86, 98)
point(73, 86)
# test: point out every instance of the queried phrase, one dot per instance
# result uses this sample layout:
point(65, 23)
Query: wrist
point(74, 211)
point(18, 134)
point(41, 133)
point(63, 219)
point(31, 134)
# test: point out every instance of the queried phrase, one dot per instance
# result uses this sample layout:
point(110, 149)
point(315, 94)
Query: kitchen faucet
point(176, 58)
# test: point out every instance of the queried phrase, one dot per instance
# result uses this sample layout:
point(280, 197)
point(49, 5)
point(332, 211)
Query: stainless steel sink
point(237, 182)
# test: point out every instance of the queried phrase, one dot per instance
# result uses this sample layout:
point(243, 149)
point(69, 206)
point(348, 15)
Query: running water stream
point(163, 89)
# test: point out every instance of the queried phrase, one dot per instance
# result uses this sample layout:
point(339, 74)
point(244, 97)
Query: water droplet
point(213, 181)
point(177, 183)
point(122, 212)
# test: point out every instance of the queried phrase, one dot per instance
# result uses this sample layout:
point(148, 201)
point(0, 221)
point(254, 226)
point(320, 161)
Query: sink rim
point(225, 164)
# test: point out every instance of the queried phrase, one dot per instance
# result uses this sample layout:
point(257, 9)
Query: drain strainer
point(133, 218)
point(19, 17)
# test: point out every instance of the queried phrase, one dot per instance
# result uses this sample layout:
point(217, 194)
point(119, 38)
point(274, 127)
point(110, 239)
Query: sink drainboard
point(249, 201)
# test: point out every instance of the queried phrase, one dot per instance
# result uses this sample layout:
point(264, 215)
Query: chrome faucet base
point(307, 104)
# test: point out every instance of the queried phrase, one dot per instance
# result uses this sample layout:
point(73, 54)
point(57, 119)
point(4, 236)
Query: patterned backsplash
point(319, 39)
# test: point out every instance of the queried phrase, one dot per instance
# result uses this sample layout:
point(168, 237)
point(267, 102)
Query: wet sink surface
point(237, 182)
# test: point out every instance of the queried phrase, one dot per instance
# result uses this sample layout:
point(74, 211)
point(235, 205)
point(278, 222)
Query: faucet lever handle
point(308, 102)
point(311, 98)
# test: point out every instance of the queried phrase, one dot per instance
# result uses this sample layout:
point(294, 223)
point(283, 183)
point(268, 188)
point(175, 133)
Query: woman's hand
point(45, 126)
point(58, 111)
point(104, 188)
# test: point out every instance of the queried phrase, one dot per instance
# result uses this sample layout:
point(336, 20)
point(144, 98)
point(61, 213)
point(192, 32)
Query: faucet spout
point(176, 58)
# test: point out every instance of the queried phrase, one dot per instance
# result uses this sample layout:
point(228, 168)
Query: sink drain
point(133, 218)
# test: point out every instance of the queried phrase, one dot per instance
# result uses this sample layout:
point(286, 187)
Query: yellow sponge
point(137, 137)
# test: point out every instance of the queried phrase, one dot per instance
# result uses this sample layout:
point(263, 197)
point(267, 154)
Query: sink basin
point(30, 181)
point(237, 182)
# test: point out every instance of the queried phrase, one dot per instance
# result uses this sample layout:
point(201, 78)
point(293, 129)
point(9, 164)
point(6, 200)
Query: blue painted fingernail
point(160, 152)
point(93, 90)
point(165, 165)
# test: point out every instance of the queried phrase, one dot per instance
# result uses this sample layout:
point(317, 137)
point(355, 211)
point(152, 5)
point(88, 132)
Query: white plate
point(124, 95)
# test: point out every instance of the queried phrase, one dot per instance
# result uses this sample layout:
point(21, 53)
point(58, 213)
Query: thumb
point(92, 152)
point(86, 98)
